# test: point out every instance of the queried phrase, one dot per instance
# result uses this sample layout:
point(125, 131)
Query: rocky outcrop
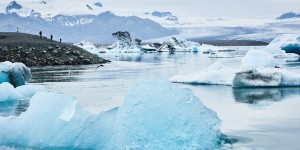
point(32, 51)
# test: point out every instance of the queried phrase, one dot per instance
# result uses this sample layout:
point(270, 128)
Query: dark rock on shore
point(35, 51)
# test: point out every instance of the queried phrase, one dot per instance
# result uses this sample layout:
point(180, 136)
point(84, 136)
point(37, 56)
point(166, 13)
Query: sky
point(194, 8)
point(210, 8)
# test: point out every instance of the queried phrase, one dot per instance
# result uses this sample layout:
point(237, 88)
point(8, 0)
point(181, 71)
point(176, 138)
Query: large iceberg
point(123, 44)
point(258, 69)
point(88, 46)
point(154, 115)
point(158, 115)
point(286, 43)
point(15, 73)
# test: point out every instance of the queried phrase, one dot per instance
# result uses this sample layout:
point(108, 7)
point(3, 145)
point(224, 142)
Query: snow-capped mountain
point(72, 23)
point(50, 8)
point(289, 15)
point(72, 28)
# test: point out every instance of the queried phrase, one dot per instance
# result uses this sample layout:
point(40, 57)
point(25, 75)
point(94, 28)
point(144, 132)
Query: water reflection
point(255, 96)
point(56, 73)
point(13, 108)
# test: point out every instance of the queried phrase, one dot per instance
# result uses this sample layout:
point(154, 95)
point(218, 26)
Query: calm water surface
point(260, 118)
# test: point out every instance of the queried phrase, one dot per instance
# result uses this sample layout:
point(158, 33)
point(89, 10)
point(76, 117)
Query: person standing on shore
point(60, 40)
point(17, 29)
point(40, 33)
point(51, 37)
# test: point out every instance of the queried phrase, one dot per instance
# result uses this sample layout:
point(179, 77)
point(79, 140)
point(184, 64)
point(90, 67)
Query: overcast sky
point(210, 8)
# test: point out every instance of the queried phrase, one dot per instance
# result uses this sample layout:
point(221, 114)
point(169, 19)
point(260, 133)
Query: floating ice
point(123, 44)
point(8, 92)
point(286, 43)
point(154, 115)
point(88, 46)
point(256, 59)
point(24, 92)
point(266, 77)
point(262, 73)
point(15, 73)
point(158, 115)
point(215, 74)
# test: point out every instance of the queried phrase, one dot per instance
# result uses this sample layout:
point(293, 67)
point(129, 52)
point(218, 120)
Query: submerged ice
point(154, 115)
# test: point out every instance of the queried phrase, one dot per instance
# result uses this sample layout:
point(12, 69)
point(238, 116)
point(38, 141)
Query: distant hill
point(289, 15)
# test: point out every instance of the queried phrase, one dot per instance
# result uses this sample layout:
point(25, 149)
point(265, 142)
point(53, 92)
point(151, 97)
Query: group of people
point(51, 36)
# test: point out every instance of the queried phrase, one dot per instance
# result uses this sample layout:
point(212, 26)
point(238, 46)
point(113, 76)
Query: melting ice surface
point(154, 115)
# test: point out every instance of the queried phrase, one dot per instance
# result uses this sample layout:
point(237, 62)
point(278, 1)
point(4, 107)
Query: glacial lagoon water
point(258, 118)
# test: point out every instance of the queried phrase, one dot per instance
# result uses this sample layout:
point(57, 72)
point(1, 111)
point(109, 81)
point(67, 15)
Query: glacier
point(15, 73)
point(154, 115)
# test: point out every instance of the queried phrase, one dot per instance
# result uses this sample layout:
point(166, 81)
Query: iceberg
point(266, 77)
point(158, 115)
point(258, 69)
point(88, 46)
point(258, 58)
point(288, 43)
point(123, 44)
point(154, 115)
point(216, 74)
point(15, 73)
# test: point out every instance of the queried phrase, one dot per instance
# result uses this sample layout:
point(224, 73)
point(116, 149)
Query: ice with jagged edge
point(282, 46)
point(184, 45)
point(154, 115)
point(258, 69)
point(15, 73)
point(88, 46)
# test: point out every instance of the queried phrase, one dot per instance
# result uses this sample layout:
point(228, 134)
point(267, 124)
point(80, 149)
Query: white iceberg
point(154, 115)
point(258, 69)
point(88, 46)
point(206, 48)
point(256, 59)
point(286, 43)
point(217, 74)
point(15, 73)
